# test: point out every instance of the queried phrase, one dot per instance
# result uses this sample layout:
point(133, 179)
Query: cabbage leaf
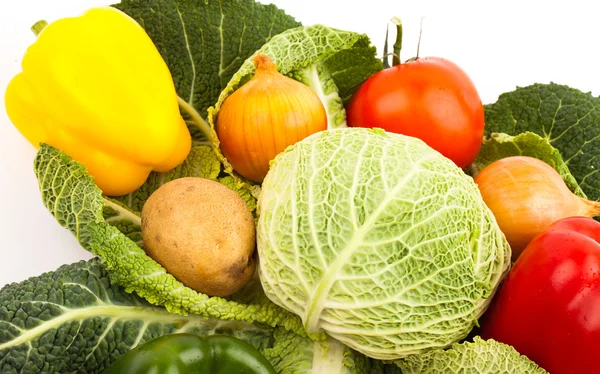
point(75, 320)
point(477, 357)
point(70, 194)
point(205, 42)
point(567, 118)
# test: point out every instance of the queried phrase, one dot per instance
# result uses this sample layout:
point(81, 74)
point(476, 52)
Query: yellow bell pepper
point(96, 87)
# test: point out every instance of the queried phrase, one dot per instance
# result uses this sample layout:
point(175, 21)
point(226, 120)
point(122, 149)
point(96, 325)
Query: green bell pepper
point(188, 353)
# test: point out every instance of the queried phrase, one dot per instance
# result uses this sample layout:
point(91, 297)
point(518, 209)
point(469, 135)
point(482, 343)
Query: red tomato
point(549, 305)
point(431, 99)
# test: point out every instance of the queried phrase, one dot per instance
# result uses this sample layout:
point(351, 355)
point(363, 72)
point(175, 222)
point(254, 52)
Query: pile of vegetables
point(267, 197)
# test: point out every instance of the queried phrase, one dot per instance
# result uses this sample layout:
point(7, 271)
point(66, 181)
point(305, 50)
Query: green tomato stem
point(420, 35)
point(386, 61)
point(398, 43)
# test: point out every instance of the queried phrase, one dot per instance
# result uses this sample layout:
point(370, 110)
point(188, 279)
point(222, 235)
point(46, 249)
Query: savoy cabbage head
point(379, 241)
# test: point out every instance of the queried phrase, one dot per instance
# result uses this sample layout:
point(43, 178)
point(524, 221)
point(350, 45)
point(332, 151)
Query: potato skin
point(202, 233)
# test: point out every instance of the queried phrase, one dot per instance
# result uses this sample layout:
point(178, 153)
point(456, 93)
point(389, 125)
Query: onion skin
point(526, 196)
point(265, 116)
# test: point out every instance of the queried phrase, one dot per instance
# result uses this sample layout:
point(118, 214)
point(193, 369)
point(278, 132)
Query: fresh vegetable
point(96, 87)
point(566, 117)
point(378, 240)
point(265, 116)
point(202, 233)
point(548, 307)
point(393, 240)
point(331, 62)
point(71, 195)
point(203, 54)
point(499, 145)
point(189, 353)
point(479, 356)
point(430, 98)
point(76, 319)
point(110, 228)
point(526, 196)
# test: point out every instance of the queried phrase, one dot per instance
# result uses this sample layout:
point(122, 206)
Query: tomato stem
point(398, 43)
point(386, 61)
point(420, 34)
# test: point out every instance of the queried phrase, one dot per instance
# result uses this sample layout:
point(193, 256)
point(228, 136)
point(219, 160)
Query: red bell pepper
point(548, 307)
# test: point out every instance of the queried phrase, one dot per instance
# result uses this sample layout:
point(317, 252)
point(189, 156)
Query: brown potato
point(202, 233)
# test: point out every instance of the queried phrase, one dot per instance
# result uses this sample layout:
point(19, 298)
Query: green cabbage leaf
point(70, 194)
point(76, 320)
point(567, 118)
point(204, 43)
point(477, 357)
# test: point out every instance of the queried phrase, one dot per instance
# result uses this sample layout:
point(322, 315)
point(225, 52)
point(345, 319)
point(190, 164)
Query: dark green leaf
point(73, 320)
point(566, 117)
point(204, 42)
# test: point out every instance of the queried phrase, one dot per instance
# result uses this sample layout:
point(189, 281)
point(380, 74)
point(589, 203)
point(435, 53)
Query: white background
point(500, 44)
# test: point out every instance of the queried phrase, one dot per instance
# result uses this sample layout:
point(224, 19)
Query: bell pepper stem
point(197, 120)
point(398, 43)
point(38, 27)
